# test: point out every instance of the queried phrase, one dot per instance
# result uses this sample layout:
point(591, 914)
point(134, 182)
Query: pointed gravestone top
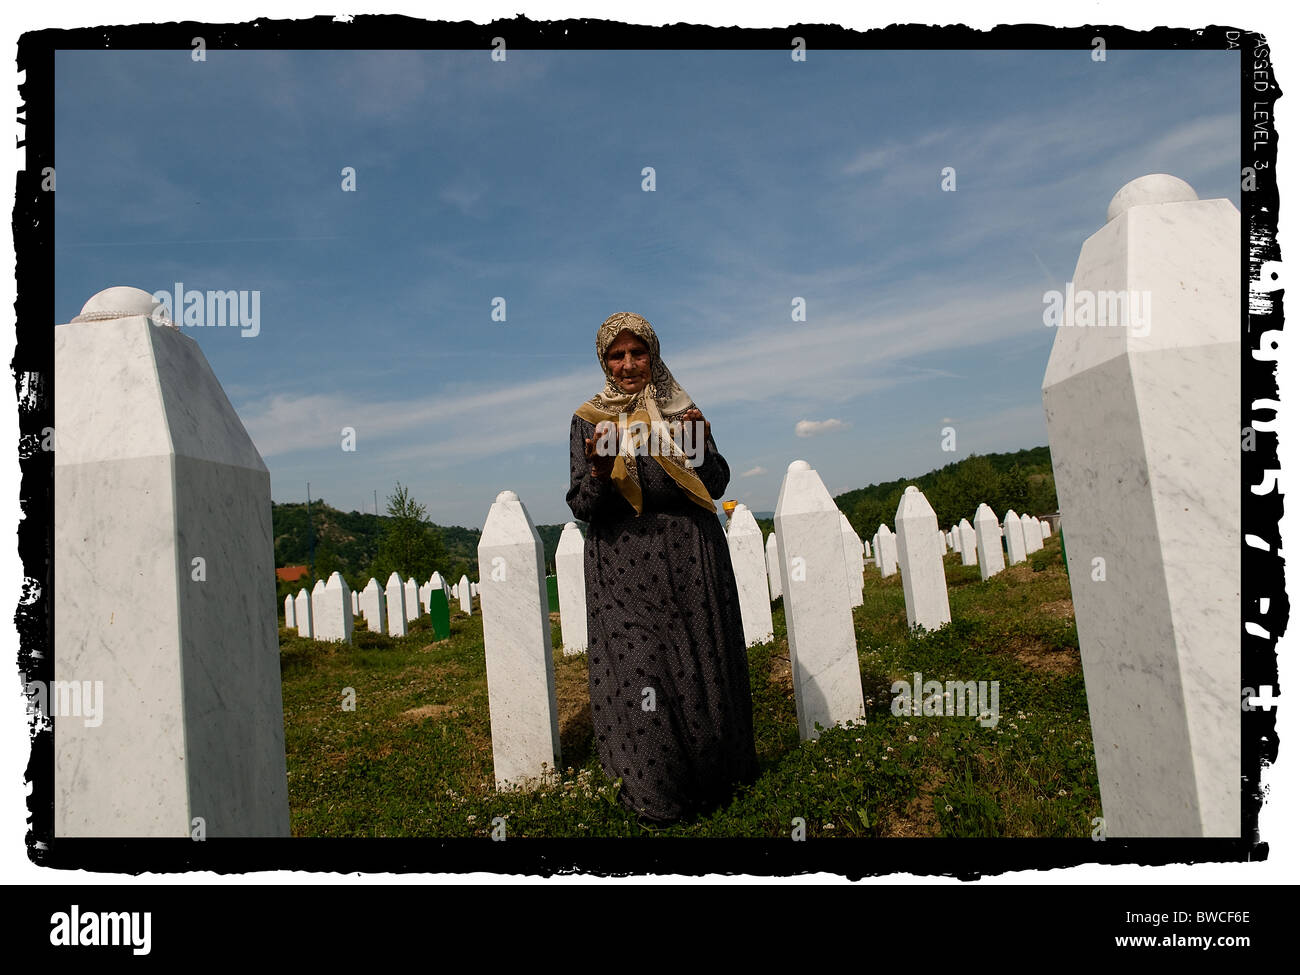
point(1145, 190)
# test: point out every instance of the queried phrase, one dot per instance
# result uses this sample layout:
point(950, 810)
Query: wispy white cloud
point(813, 428)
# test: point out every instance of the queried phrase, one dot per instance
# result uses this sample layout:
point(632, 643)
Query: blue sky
point(522, 179)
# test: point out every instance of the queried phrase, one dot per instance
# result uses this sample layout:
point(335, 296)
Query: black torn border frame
point(33, 367)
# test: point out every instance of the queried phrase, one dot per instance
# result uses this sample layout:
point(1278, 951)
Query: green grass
point(415, 756)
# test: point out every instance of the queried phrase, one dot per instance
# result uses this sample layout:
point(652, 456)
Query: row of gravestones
point(757, 573)
point(326, 612)
point(163, 599)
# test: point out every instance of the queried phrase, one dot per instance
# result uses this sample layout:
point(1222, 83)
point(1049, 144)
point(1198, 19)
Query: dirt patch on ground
point(427, 711)
point(555, 618)
point(1061, 609)
point(1036, 655)
point(781, 673)
point(573, 701)
point(917, 818)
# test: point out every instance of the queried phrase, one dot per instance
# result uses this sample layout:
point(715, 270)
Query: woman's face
point(629, 361)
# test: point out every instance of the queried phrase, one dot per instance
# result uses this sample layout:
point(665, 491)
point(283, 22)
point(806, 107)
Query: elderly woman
point(669, 678)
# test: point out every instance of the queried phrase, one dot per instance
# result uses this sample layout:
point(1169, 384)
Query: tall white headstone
point(290, 622)
point(302, 612)
point(164, 607)
point(517, 644)
point(395, 596)
point(969, 544)
point(317, 608)
point(356, 605)
point(1033, 537)
point(749, 563)
point(920, 560)
point(773, 567)
point(853, 566)
point(374, 607)
point(819, 620)
point(571, 586)
point(1144, 425)
point(1046, 526)
point(412, 598)
point(886, 552)
point(1014, 536)
point(988, 540)
point(334, 619)
point(466, 605)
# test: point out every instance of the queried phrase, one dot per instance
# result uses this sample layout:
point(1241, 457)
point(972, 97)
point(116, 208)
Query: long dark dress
point(663, 613)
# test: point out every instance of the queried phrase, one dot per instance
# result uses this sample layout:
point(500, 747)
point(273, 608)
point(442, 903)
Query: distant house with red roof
point(291, 573)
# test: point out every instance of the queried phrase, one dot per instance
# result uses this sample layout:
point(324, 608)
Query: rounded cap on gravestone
point(507, 496)
point(798, 465)
point(1146, 190)
point(741, 506)
point(570, 524)
point(122, 302)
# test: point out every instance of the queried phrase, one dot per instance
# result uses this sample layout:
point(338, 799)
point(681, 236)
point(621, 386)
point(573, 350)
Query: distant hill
point(1021, 481)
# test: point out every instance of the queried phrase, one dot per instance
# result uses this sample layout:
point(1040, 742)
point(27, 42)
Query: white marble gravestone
point(1144, 422)
point(466, 597)
point(920, 561)
point(374, 607)
point(1014, 537)
point(773, 567)
point(1046, 526)
point(969, 544)
point(333, 620)
point(317, 607)
point(162, 539)
point(571, 587)
point(819, 620)
point(517, 645)
point(886, 552)
point(988, 542)
point(302, 612)
point(289, 621)
point(1032, 535)
point(749, 564)
point(395, 598)
point(853, 567)
point(356, 605)
point(411, 595)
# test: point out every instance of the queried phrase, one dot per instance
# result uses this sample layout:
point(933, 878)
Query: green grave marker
point(439, 614)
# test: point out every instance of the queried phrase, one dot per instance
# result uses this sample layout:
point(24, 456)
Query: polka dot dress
point(669, 678)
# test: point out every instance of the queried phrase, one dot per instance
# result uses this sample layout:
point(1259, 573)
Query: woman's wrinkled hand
point(602, 465)
point(693, 415)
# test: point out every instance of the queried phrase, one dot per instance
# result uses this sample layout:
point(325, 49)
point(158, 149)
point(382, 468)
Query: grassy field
point(415, 756)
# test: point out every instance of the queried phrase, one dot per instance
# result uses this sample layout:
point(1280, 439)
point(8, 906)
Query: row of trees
point(1025, 484)
point(406, 543)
